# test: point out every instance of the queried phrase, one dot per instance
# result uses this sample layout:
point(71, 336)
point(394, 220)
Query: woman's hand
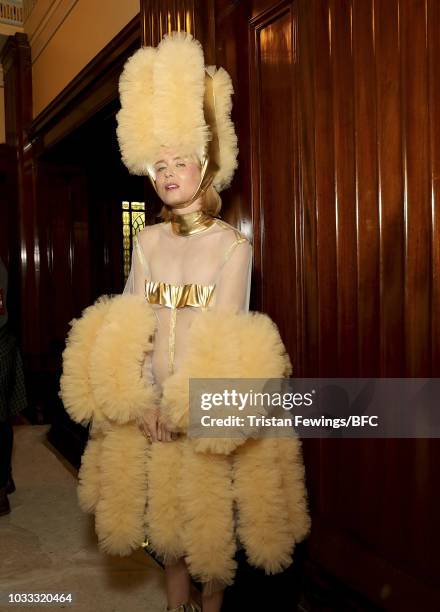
point(148, 424)
point(152, 428)
point(165, 434)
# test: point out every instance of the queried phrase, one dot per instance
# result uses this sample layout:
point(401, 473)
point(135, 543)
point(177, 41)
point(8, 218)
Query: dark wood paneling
point(232, 51)
point(323, 131)
point(307, 240)
point(340, 26)
point(161, 17)
point(63, 208)
point(415, 161)
point(8, 232)
point(365, 130)
point(434, 174)
point(345, 160)
point(52, 222)
point(8, 199)
point(391, 188)
point(16, 62)
point(274, 160)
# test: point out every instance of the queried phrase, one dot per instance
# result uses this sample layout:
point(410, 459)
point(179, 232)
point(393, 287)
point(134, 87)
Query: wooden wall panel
point(365, 131)
point(366, 95)
point(375, 206)
point(346, 253)
point(274, 151)
point(50, 250)
point(308, 192)
point(391, 189)
point(159, 17)
point(16, 61)
point(229, 42)
point(63, 219)
point(323, 166)
point(8, 231)
point(341, 58)
point(434, 173)
point(415, 158)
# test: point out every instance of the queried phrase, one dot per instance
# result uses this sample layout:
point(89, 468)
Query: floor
point(48, 545)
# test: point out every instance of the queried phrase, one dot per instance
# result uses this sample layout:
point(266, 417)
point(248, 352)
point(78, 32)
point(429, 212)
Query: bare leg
point(177, 583)
point(213, 602)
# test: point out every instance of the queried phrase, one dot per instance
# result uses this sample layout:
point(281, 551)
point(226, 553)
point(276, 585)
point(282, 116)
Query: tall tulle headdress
point(171, 100)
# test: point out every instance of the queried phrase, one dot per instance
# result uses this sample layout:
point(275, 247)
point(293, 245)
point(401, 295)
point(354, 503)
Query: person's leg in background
point(6, 441)
point(12, 401)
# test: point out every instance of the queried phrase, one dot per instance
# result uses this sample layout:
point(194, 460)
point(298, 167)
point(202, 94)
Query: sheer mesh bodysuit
point(180, 276)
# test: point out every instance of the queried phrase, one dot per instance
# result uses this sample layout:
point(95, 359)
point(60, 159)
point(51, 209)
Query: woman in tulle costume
point(184, 314)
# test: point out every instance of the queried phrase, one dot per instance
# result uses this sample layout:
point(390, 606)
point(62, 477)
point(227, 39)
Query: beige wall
point(65, 35)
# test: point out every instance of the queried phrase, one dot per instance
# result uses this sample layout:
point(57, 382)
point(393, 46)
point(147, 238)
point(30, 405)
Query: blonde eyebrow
point(162, 161)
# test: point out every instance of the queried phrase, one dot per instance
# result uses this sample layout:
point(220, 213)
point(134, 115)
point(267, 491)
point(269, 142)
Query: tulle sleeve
point(139, 270)
point(234, 281)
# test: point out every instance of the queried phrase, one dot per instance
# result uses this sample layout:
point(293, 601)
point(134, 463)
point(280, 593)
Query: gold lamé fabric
point(178, 296)
point(174, 297)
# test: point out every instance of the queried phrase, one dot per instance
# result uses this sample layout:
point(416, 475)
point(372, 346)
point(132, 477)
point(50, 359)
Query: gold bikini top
point(178, 296)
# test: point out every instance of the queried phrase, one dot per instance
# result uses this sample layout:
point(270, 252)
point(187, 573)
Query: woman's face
point(177, 178)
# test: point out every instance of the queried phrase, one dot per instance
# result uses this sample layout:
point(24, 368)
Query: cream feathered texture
point(102, 384)
point(113, 486)
point(279, 510)
point(122, 490)
point(293, 477)
point(180, 494)
point(87, 390)
point(161, 93)
point(223, 90)
point(89, 476)
point(75, 388)
point(207, 360)
point(207, 482)
point(118, 387)
point(135, 129)
point(179, 86)
point(164, 519)
point(254, 466)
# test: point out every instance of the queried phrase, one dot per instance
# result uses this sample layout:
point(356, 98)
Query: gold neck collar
point(190, 223)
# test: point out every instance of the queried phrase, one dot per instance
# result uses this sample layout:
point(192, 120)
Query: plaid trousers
point(12, 387)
